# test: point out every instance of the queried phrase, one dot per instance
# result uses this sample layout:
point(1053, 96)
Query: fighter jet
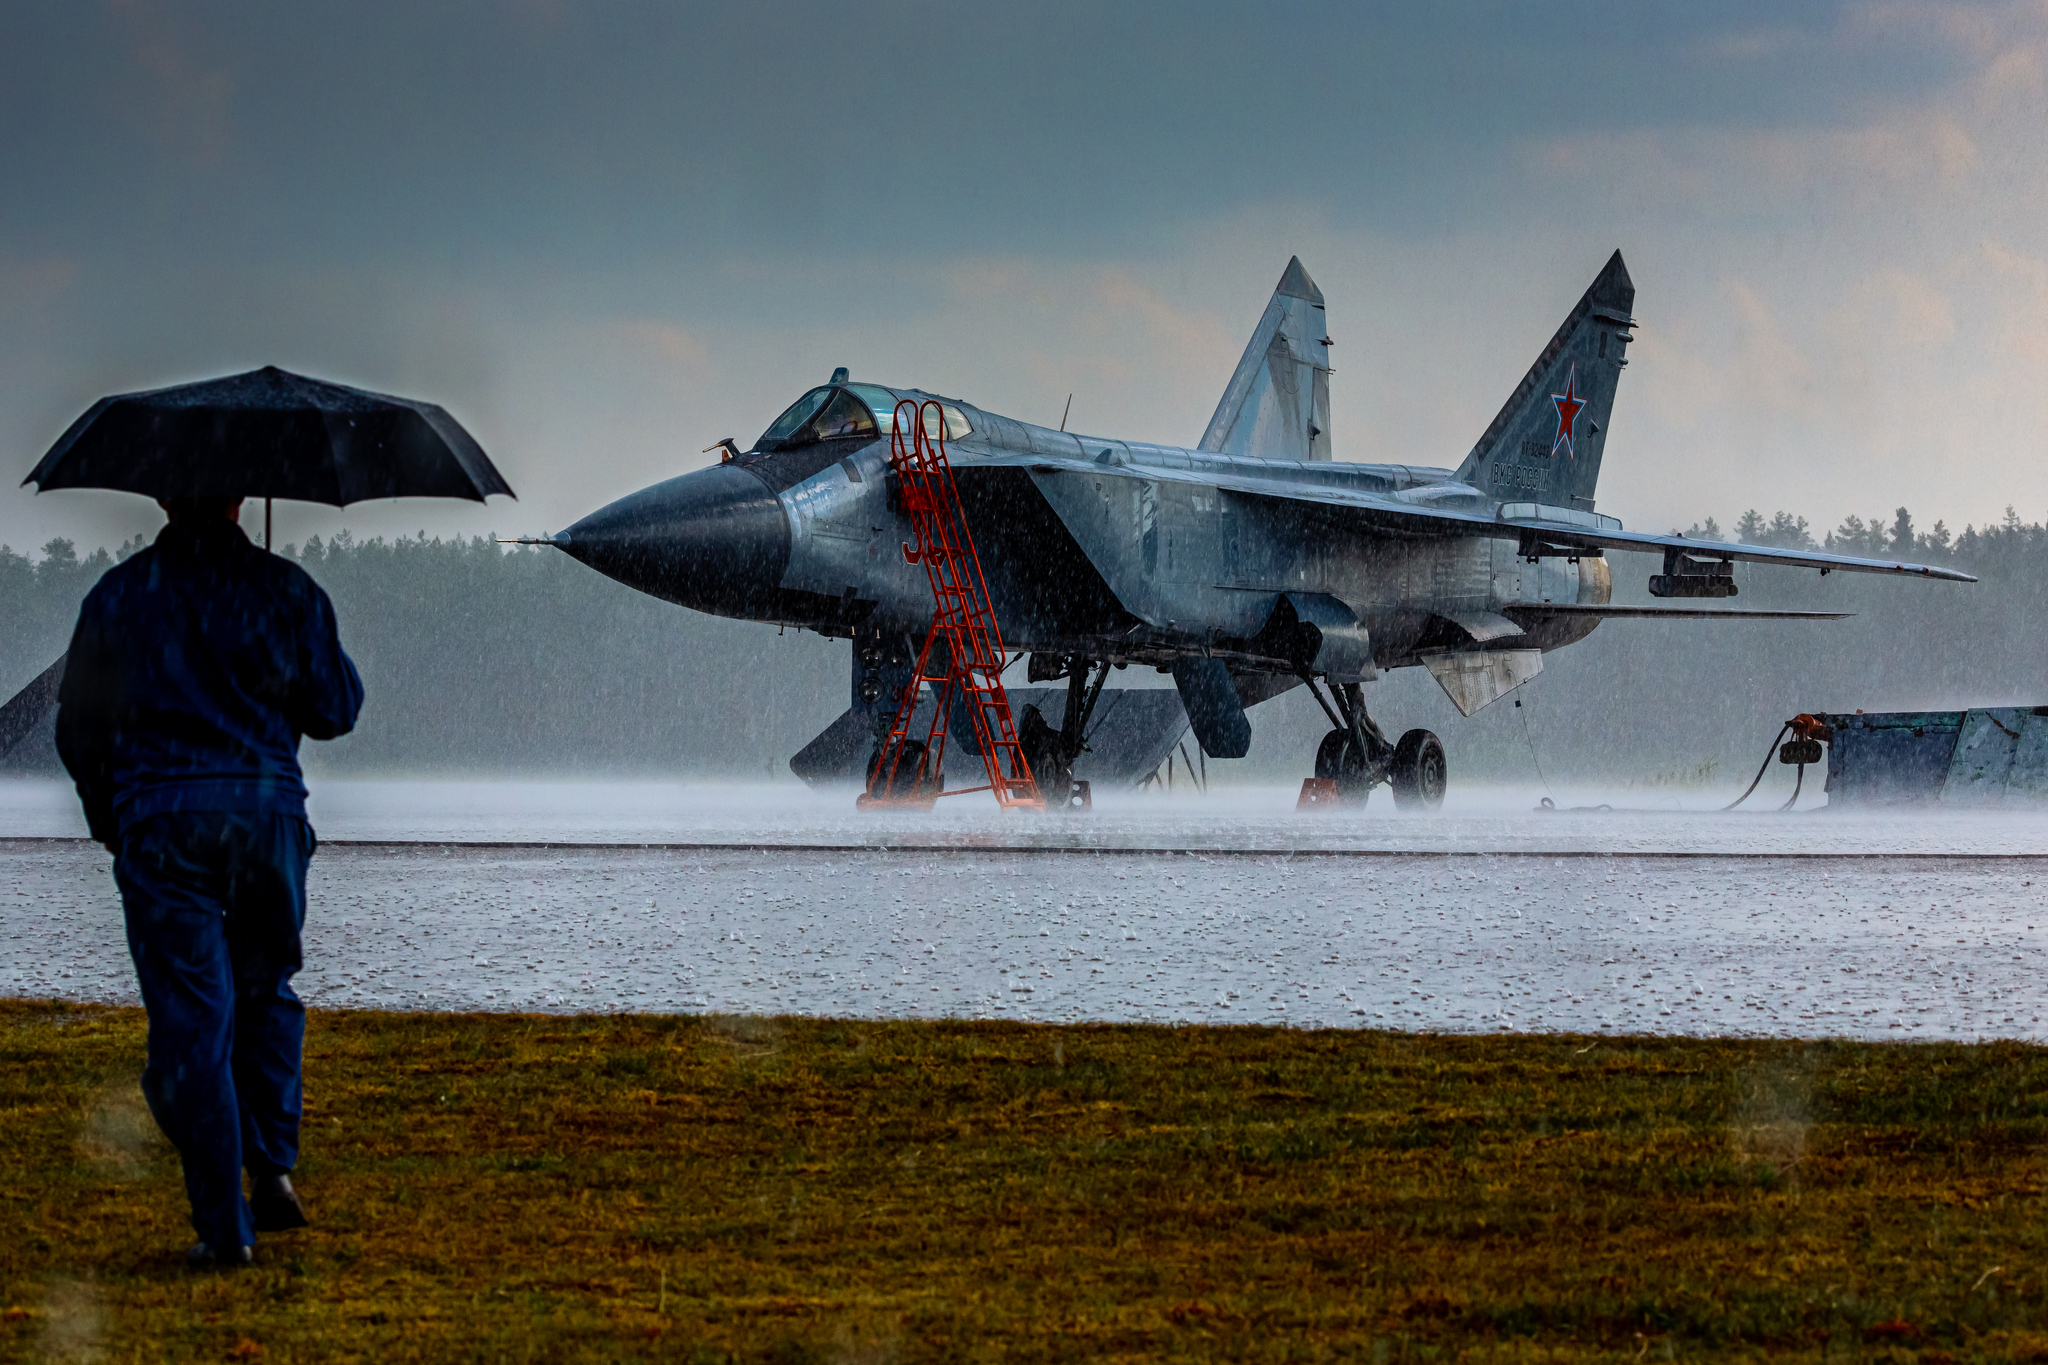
point(1251, 564)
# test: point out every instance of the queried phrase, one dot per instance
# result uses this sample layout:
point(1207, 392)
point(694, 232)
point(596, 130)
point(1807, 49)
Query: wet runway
point(1483, 919)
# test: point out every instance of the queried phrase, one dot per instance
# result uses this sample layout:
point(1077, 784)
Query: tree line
point(481, 658)
point(486, 658)
point(1882, 537)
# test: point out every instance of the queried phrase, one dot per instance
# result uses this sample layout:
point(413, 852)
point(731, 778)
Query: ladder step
point(963, 616)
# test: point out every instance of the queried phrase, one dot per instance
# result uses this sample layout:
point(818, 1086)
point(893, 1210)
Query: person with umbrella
point(196, 667)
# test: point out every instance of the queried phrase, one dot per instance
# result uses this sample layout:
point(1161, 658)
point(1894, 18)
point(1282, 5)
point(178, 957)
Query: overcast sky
point(605, 235)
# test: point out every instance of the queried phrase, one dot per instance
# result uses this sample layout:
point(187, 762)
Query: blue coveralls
point(196, 666)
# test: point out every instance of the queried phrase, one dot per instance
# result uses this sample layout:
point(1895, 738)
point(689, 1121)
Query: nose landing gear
point(1051, 752)
point(1355, 757)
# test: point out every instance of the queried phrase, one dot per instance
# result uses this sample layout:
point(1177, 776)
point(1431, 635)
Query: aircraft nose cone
point(715, 540)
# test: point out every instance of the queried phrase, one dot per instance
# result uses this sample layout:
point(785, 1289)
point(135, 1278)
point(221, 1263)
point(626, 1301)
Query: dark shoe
point(275, 1205)
point(204, 1256)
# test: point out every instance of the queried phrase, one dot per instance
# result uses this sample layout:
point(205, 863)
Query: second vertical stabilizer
point(1277, 405)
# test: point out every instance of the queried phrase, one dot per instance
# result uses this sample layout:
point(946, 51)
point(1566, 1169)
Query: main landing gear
point(1355, 757)
point(885, 668)
point(1051, 752)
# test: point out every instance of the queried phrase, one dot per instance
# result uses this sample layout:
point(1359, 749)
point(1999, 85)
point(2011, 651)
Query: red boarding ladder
point(907, 772)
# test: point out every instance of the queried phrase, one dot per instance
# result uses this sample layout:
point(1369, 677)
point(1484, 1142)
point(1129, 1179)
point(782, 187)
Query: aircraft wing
point(1412, 514)
point(1564, 534)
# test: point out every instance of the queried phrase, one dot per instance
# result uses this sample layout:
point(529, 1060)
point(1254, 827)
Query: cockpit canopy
point(835, 412)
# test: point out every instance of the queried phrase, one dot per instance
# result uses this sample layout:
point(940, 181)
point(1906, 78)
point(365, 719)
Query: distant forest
point(485, 659)
point(1880, 536)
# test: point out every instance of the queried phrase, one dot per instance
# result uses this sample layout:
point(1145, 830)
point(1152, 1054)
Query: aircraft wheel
point(907, 775)
point(1339, 758)
point(1418, 773)
point(1041, 746)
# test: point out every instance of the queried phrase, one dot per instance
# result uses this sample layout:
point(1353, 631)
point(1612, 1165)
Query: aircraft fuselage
point(1244, 567)
point(808, 537)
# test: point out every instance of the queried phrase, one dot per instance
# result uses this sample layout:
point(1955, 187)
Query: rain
point(567, 796)
point(1225, 906)
point(1490, 565)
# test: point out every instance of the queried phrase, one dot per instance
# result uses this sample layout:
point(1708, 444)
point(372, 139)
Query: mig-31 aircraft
point(1245, 566)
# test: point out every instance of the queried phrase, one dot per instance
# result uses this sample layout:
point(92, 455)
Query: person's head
point(201, 509)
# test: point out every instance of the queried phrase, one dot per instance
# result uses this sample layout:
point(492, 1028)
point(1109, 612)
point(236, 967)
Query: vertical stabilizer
point(1545, 444)
point(1277, 405)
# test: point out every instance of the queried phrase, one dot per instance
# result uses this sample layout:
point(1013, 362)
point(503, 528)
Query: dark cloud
point(474, 133)
point(607, 234)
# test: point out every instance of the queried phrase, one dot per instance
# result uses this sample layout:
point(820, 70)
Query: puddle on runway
point(1870, 947)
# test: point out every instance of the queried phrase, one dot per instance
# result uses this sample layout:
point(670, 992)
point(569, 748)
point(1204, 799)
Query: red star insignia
point(1568, 406)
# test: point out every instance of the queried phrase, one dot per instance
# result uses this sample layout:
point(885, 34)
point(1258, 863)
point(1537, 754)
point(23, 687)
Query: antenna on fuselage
point(1066, 411)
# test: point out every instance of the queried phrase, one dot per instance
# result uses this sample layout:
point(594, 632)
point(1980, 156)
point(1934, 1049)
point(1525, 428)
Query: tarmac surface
point(1225, 908)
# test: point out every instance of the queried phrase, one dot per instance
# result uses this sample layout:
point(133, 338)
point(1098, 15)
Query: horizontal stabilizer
point(1129, 736)
point(1605, 612)
point(841, 751)
point(26, 708)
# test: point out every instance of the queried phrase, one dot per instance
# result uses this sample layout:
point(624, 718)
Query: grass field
point(512, 1188)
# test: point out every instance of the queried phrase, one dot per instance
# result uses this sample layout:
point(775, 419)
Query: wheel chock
point(1319, 793)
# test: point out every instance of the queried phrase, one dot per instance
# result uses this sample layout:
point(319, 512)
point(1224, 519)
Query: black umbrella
point(269, 434)
point(265, 434)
